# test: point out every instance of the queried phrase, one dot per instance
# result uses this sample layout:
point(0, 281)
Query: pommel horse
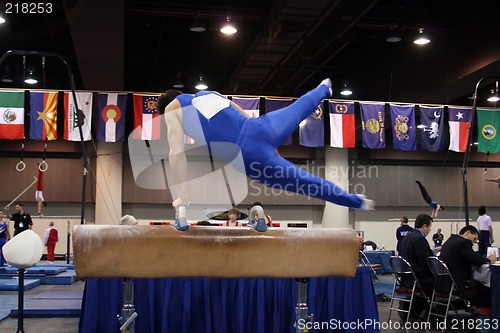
point(122, 251)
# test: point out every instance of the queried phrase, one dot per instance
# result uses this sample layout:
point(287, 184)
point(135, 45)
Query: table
point(228, 305)
point(380, 257)
point(495, 294)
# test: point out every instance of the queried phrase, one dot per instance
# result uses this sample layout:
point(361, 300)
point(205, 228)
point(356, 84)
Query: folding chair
point(363, 261)
point(401, 268)
point(445, 291)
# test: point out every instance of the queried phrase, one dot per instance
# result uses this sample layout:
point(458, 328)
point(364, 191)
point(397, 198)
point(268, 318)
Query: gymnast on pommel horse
point(222, 120)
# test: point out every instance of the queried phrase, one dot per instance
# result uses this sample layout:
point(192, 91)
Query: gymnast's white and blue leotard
point(258, 139)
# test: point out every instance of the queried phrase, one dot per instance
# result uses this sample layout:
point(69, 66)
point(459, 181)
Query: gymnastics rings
point(43, 166)
point(20, 166)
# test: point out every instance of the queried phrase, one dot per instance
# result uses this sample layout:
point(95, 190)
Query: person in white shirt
point(484, 224)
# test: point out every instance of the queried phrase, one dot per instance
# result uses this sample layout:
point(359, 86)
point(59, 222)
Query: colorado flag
point(342, 131)
point(459, 120)
point(111, 116)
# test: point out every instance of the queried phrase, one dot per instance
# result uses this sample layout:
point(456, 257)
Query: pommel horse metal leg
point(20, 302)
point(302, 316)
point(128, 310)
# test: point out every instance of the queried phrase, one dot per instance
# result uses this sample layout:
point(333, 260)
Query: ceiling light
point(393, 36)
point(421, 38)
point(30, 79)
point(494, 94)
point(178, 83)
point(346, 91)
point(7, 77)
point(228, 28)
point(201, 85)
point(2, 20)
point(198, 25)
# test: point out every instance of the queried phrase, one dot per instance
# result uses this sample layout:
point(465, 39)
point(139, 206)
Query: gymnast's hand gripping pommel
point(211, 118)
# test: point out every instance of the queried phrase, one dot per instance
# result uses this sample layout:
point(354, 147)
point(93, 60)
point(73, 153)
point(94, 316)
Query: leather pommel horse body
point(105, 251)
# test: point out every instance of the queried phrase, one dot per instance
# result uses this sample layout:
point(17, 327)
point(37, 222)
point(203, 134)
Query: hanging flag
point(73, 120)
point(372, 122)
point(404, 131)
point(488, 124)
point(147, 117)
point(312, 129)
point(12, 115)
point(273, 104)
point(432, 122)
point(249, 105)
point(111, 117)
point(459, 120)
point(342, 130)
point(43, 115)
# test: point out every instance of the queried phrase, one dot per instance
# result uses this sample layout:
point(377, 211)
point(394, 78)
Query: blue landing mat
point(46, 270)
point(52, 304)
point(9, 301)
point(66, 278)
point(13, 284)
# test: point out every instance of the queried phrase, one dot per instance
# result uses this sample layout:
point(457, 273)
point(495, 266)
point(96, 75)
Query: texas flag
point(43, 114)
point(111, 117)
point(249, 104)
point(342, 124)
point(459, 120)
point(74, 118)
point(12, 115)
point(146, 117)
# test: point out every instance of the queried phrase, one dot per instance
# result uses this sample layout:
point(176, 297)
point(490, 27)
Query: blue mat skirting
point(52, 304)
point(13, 284)
point(228, 305)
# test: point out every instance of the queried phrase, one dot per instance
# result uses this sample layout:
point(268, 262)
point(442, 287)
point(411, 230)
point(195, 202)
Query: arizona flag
point(73, 120)
point(459, 120)
point(249, 104)
point(43, 114)
point(111, 117)
point(147, 117)
point(342, 130)
point(12, 115)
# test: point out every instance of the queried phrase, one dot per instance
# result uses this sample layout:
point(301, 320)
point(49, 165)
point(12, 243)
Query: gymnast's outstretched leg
point(279, 173)
point(286, 120)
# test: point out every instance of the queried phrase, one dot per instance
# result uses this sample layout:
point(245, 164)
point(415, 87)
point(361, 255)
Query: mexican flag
point(12, 115)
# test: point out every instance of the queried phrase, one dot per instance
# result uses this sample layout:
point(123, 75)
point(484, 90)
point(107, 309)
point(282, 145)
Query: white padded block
point(24, 250)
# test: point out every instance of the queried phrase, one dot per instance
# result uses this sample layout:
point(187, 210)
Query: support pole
point(127, 319)
point(20, 302)
point(302, 316)
point(68, 236)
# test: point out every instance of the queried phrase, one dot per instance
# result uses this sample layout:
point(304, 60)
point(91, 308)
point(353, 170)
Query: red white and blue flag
point(459, 120)
point(111, 117)
point(43, 115)
point(342, 130)
point(146, 117)
point(74, 118)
